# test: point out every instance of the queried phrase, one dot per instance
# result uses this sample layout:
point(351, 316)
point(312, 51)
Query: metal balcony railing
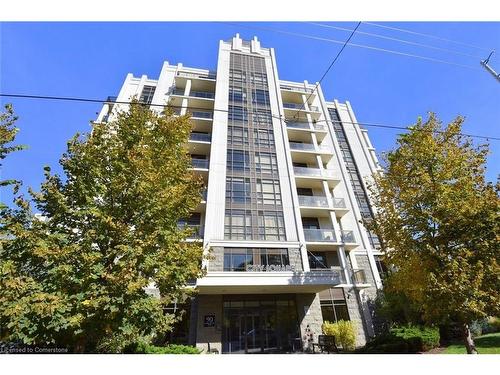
point(348, 236)
point(200, 163)
point(320, 235)
point(302, 146)
point(339, 203)
point(201, 137)
point(312, 201)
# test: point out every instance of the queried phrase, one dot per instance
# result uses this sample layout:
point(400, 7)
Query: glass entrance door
point(254, 326)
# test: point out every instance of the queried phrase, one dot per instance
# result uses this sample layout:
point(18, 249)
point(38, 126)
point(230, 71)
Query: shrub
point(492, 325)
point(419, 338)
point(406, 339)
point(344, 332)
point(142, 348)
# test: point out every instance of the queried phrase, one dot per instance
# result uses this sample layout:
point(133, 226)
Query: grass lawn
point(486, 344)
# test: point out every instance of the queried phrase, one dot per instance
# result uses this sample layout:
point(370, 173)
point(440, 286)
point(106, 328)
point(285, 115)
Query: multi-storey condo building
point(281, 218)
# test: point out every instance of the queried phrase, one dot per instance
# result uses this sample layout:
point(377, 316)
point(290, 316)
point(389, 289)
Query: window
point(237, 113)
point(238, 190)
point(265, 162)
point(310, 223)
point(147, 94)
point(238, 225)
point(238, 160)
point(271, 226)
point(268, 192)
point(317, 260)
point(262, 116)
point(260, 97)
point(238, 259)
point(237, 135)
point(305, 192)
point(333, 305)
point(237, 94)
point(263, 137)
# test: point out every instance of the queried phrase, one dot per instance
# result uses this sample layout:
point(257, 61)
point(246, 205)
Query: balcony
point(320, 235)
point(293, 106)
point(294, 88)
point(195, 94)
point(313, 201)
point(200, 137)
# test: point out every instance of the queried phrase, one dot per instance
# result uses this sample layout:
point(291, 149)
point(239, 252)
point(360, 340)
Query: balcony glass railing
point(320, 235)
point(200, 163)
point(312, 201)
point(293, 88)
point(320, 127)
point(302, 146)
point(313, 172)
point(200, 137)
point(196, 94)
point(297, 125)
point(325, 149)
point(348, 236)
point(202, 114)
point(197, 75)
point(339, 203)
point(313, 108)
point(359, 276)
point(293, 105)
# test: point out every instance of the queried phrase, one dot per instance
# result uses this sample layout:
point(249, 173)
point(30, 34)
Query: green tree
point(439, 218)
point(77, 276)
point(8, 134)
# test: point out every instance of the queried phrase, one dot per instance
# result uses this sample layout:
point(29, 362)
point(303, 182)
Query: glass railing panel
point(200, 163)
point(313, 201)
point(348, 236)
point(319, 235)
point(302, 146)
point(297, 125)
point(201, 137)
point(359, 276)
point(303, 171)
point(202, 114)
point(339, 203)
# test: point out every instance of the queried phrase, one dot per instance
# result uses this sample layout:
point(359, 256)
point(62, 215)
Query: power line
point(426, 35)
point(329, 40)
point(101, 101)
point(327, 70)
point(396, 39)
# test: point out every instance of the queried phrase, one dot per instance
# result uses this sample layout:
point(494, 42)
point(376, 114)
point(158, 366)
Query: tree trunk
point(469, 342)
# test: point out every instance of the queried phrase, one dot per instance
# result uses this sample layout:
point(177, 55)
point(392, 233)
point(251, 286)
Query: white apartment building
point(285, 172)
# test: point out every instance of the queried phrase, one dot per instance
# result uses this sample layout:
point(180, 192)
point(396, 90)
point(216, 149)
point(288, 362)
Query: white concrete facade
point(321, 217)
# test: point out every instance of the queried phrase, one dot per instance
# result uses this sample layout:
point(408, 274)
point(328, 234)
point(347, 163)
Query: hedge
point(142, 348)
point(405, 339)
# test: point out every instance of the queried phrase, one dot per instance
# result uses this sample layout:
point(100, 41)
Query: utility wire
point(329, 40)
point(327, 70)
point(426, 35)
point(396, 40)
point(101, 101)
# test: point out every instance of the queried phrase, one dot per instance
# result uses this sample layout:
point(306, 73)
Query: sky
point(91, 60)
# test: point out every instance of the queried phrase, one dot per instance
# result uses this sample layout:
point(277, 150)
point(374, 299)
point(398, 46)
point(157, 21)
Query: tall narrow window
point(147, 94)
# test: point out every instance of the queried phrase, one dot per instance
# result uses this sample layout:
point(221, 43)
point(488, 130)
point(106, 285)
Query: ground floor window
point(333, 305)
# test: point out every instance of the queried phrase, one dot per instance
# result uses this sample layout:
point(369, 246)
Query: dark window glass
point(147, 94)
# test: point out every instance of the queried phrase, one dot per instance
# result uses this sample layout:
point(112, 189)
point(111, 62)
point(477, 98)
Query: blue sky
point(92, 60)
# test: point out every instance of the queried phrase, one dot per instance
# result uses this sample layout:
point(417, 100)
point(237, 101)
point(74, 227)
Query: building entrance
point(259, 325)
